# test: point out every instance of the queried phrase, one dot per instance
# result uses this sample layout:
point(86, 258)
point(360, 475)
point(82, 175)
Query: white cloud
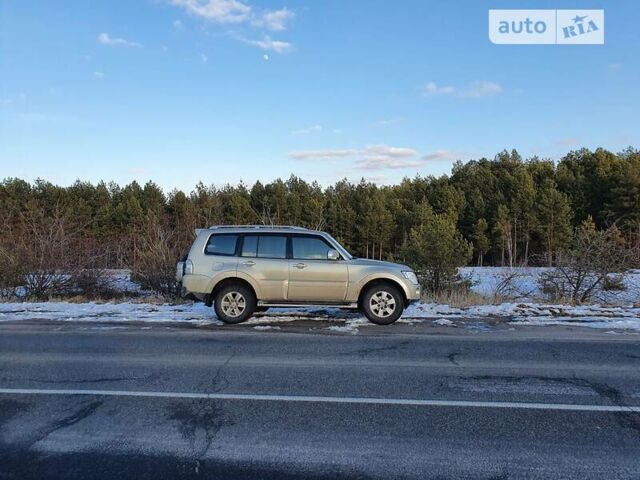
point(239, 12)
point(432, 89)
point(377, 163)
point(106, 39)
point(98, 75)
point(204, 58)
point(372, 157)
point(326, 154)
point(388, 121)
point(481, 89)
point(382, 156)
point(274, 20)
point(476, 89)
point(304, 131)
point(272, 45)
point(235, 11)
point(441, 155)
point(385, 150)
point(218, 11)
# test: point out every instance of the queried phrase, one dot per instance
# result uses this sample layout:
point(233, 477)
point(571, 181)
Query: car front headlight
point(411, 276)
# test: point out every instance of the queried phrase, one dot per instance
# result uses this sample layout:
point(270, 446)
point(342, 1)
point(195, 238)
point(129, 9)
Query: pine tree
point(436, 249)
point(480, 239)
point(553, 219)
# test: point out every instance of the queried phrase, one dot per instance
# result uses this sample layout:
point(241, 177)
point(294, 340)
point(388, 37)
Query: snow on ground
point(196, 313)
point(619, 310)
point(594, 316)
point(473, 318)
point(119, 280)
point(444, 322)
point(487, 281)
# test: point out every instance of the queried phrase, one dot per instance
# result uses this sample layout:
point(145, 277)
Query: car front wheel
point(382, 304)
point(234, 303)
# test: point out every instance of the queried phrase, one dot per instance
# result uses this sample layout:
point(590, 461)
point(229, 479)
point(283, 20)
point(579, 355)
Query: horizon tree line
point(503, 211)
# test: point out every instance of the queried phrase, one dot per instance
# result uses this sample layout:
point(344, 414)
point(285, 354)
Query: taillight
point(188, 267)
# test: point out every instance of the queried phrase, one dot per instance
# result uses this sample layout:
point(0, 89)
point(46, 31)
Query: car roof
point(259, 228)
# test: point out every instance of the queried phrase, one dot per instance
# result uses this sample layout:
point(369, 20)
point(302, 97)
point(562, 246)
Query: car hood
point(379, 263)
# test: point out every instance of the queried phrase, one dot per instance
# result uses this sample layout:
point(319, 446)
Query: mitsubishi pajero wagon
point(243, 269)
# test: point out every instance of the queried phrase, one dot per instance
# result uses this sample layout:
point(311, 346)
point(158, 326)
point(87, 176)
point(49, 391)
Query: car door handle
point(300, 265)
point(249, 263)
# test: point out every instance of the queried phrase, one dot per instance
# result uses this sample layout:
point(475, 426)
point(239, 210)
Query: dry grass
point(457, 298)
point(152, 299)
point(462, 299)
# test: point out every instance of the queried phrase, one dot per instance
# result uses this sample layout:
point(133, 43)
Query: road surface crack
point(81, 381)
point(202, 419)
point(77, 416)
point(363, 352)
point(452, 358)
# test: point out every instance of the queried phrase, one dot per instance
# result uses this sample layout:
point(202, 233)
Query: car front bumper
point(412, 291)
point(416, 293)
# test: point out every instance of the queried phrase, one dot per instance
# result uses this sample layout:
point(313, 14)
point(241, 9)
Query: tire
point(234, 303)
point(382, 304)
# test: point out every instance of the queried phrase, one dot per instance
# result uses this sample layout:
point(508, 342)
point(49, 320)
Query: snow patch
point(444, 322)
point(197, 314)
point(348, 328)
point(524, 284)
point(593, 316)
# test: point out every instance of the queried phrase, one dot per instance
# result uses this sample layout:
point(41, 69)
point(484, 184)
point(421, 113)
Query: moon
point(265, 56)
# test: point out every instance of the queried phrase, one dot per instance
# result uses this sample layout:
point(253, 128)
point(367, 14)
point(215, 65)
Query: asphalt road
point(236, 403)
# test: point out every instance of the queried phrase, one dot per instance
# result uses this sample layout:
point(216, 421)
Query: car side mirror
point(333, 254)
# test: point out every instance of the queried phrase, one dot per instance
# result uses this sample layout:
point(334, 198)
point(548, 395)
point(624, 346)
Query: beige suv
point(244, 269)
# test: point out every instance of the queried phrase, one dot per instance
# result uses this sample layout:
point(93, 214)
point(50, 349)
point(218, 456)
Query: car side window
point(221, 245)
point(272, 246)
point(250, 246)
point(309, 248)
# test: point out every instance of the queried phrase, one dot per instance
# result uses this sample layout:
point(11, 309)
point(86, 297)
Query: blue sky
point(181, 91)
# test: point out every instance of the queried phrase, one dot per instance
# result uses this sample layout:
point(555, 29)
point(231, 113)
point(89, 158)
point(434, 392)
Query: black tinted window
point(250, 246)
point(309, 248)
point(222, 245)
point(272, 246)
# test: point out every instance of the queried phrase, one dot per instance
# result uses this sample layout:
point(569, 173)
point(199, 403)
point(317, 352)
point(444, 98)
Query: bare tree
point(511, 284)
point(585, 266)
point(157, 250)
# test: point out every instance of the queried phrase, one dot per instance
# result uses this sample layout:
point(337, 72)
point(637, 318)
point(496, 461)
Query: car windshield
point(343, 251)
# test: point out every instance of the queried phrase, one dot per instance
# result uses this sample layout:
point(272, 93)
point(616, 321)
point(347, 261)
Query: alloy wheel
point(382, 304)
point(233, 304)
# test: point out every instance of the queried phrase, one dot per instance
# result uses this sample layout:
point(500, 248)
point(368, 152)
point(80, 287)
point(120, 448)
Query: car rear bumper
point(195, 284)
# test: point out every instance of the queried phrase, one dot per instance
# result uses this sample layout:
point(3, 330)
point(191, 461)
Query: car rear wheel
point(234, 303)
point(382, 304)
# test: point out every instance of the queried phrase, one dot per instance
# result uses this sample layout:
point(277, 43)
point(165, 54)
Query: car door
point(219, 256)
point(263, 257)
point(312, 276)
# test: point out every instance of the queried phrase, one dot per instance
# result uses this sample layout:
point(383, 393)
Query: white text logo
point(565, 27)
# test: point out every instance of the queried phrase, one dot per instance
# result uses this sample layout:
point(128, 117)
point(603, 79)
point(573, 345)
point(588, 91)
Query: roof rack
point(267, 227)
